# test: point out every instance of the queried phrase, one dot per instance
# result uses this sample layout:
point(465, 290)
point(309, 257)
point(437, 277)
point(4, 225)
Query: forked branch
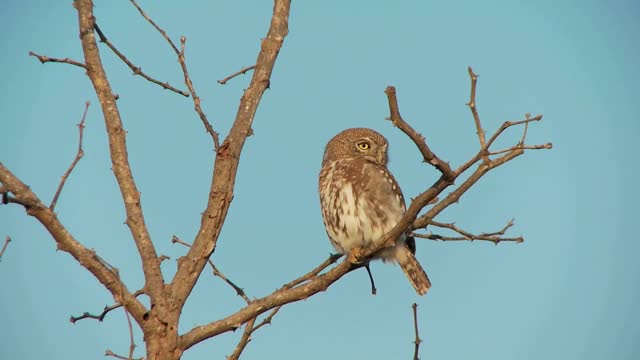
point(228, 156)
point(495, 237)
point(216, 272)
point(315, 281)
point(416, 137)
point(154, 282)
point(194, 95)
point(249, 329)
point(136, 70)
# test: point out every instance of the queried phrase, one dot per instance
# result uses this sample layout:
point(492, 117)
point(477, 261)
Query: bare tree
point(159, 322)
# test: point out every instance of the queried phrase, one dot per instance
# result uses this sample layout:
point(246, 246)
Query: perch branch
point(7, 240)
point(314, 282)
point(216, 272)
point(417, 340)
point(136, 70)
point(240, 72)
point(313, 273)
point(45, 59)
point(79, 156)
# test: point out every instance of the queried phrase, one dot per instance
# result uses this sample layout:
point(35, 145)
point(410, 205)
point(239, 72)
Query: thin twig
point(136, 70)
point(160, 30)
point(244, 340)
point(45, 59)
point(240, 72)
point(417, 340)
point(112, 354)
point(508, 124)
point(187, 79)
point(249, 329)
point(101, 316)
point(493, 239)
point(196, 98)
point(79, 156)
point(311, 274)
point(474, 111)
point(7, 240)
point(524, 132)
point(216, 272)
point(528, 147)
point(417, 138)
point(132, 344)
point(267, 320)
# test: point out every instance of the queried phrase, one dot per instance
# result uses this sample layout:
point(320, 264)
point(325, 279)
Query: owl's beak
point(381, 156)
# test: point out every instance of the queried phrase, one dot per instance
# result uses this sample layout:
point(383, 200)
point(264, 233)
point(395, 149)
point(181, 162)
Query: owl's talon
point(356, 256)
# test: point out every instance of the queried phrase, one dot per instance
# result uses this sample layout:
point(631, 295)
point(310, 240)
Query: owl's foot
point(356, 256)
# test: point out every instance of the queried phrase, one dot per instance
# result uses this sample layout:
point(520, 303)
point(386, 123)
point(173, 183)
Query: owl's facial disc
point(372, 151)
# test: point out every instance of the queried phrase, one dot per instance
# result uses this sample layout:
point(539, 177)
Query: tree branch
point(107, 276)
point(240, 72)
point(494, 237)
point(45, 59)
point(112, 354)
point(228, 156)
point(249, 329)
point(187, 80)
point(195, 97)
point(154, 283)
point(7, 240)
point(474, 111)
point(162, 32)
point(132, 344)
point(100, 317)
point(136, 70)
point(216, 272)
point(244, 340)
point(416, 137)
point(79, 155)
point(417, 340)
point(314, 282)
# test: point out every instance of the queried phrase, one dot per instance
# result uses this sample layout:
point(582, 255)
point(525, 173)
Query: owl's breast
point(360, 203)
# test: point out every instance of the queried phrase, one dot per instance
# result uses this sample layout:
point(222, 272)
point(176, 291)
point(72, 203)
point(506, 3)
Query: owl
point(361, 200)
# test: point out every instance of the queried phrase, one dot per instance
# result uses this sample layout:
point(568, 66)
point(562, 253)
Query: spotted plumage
point(361, 200)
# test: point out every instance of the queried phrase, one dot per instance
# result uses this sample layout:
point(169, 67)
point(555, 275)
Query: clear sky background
point(570, 291)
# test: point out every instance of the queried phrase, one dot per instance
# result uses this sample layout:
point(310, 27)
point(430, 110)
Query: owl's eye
point(364, 146)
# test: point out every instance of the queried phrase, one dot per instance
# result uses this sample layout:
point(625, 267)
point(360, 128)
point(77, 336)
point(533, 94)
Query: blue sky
point(568, 292)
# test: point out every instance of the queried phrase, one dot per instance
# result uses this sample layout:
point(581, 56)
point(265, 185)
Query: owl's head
point(357, 143)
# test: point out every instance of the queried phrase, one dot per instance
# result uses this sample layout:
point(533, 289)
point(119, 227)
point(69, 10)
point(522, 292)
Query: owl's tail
point(412, 269)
